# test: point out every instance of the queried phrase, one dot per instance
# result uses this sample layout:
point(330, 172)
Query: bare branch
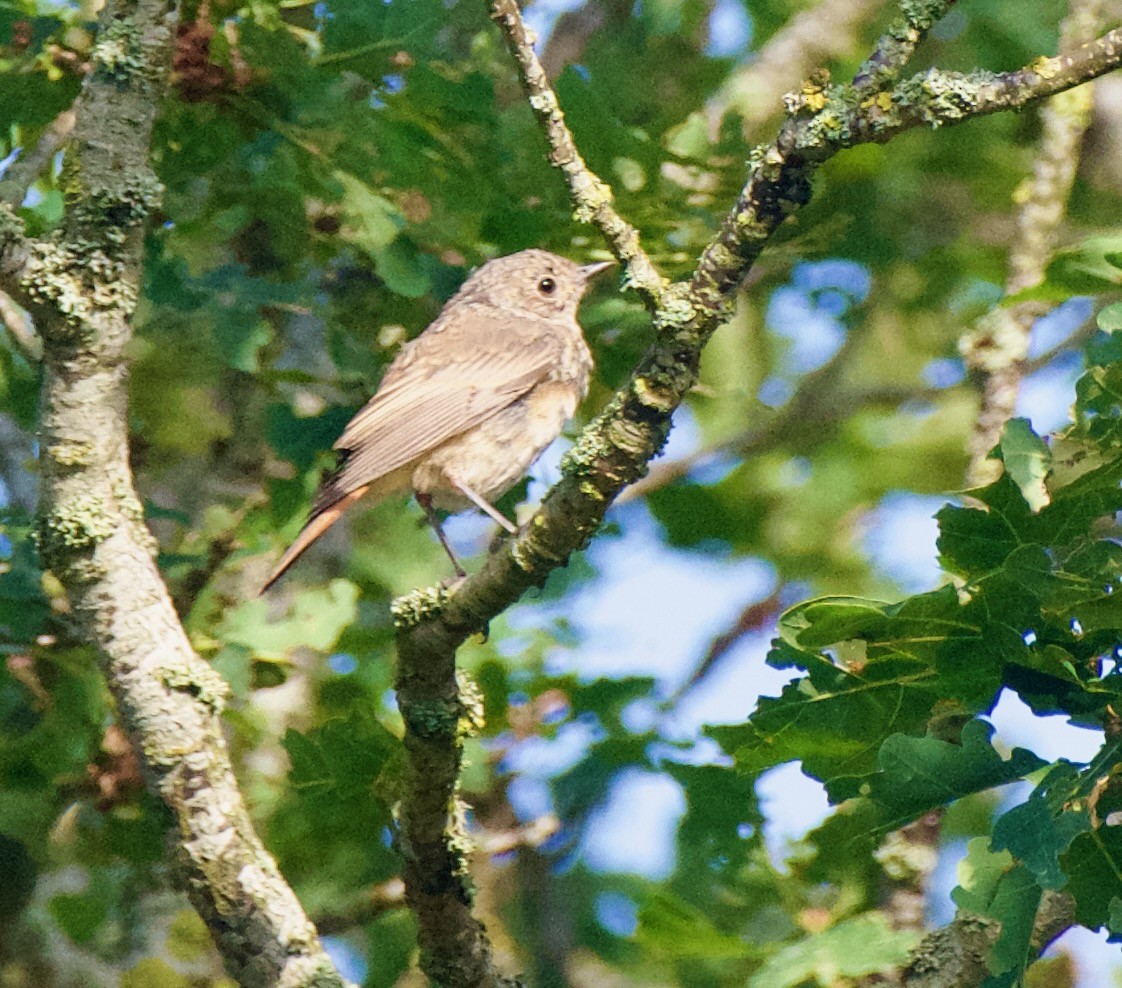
point(591, 196)
point(378, 901)
point(23, 173)
point(82, 286)
point(814, 404)
point(750, 619)
point(998, 346)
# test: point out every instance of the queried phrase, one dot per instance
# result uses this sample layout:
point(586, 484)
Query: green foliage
point(853, 949)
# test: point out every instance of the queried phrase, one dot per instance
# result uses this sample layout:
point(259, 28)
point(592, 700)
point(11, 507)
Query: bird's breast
point(494, 455)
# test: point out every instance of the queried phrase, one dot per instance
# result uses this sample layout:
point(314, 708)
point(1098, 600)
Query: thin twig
point(591, 196)
point(897, 45)
point(27, 168)
point(380, 900)
point(814, 405)
point(814, 400)
point(574, 29)
point(750, 619)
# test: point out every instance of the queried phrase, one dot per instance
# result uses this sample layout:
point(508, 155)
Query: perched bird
point(465, 408)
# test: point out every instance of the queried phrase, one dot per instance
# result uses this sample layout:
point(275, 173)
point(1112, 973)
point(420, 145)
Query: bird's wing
point(422, 404)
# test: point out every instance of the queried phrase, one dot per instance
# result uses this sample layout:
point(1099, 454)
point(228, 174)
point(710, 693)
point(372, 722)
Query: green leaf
point(992, 884)
point(832, 720)
point(972, 540)
point(1110, 318)
point(1086, 269)
point(1037, 837)
point(347, 755)
point(671, 926)
point(854, 948)
point(372, 221)
point(80, 915)
point(918, 774)
point(690, 139)
point(403, 269)
point(1094, 867)
point(153, 972)
point(882, 669)
point(1027, 459)
point(309, 767)
point(317, 618)
point(301, 440)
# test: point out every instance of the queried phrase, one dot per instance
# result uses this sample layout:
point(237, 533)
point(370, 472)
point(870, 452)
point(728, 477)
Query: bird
point(465, 409)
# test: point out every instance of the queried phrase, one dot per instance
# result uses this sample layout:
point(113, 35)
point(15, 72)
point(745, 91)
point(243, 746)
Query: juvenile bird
point(465, 408)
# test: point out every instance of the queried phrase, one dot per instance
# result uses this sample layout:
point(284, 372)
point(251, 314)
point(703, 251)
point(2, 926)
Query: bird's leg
point(483, 504)
point(425, 501)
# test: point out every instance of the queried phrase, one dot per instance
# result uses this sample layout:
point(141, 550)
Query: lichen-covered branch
point(824, 120)
point(82, 285)
point(955, 955)
point(999, 344)
point(591, 196)
point(897, 45)
point(836, 117)
point(439, 709)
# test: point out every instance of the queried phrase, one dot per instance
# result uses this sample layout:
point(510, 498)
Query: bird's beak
point(590, 271)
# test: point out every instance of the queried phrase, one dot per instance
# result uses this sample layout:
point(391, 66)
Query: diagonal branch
point(591, 196)
point(895, 48)
point(22, 174)
point(81, 287)
point(937, 99)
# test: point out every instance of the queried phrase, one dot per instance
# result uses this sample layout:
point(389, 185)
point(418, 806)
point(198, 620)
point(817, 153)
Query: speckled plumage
point(465, 408)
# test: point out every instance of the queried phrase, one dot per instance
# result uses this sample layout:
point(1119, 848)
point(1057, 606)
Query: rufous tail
point(316, 526)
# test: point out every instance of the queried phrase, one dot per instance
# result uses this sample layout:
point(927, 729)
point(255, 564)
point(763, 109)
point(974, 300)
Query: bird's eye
point(547, 286)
